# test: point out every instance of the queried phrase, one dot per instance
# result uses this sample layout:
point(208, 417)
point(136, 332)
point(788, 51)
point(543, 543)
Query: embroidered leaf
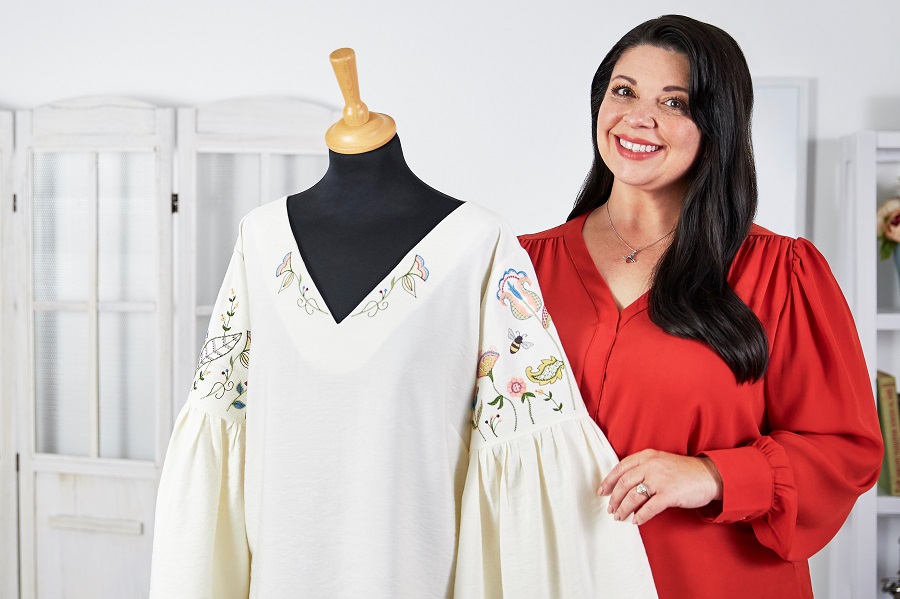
point(217, 347)
point(239, 405)
point(286, 281)
point(498, 401)
point(527, 395)
point(409, 284)
point(245, 359)
point(549, 371)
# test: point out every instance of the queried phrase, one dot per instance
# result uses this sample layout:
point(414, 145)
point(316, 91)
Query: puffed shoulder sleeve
point(200, 548)
point(797, 483)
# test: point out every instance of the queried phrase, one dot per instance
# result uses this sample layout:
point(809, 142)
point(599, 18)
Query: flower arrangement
point(888, 223)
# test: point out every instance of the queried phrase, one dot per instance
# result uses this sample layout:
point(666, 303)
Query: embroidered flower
point(486, 362)
point(285, 265)
point(516, 387)
point(407, 282)
point(420, 268)
point(511, 290)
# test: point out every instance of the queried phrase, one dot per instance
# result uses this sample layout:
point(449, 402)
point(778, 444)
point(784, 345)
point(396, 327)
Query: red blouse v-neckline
point(594, 283)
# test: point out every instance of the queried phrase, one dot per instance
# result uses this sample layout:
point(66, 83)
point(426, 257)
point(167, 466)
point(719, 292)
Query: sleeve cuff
point(748, 485)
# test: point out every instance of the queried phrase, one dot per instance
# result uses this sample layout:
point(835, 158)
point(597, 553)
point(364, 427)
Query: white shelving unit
point(869, 171)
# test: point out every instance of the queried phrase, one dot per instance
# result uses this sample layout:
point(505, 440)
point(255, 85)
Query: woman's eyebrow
point(668, 88)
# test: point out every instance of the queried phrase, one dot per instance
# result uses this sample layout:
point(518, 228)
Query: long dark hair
point(690, 296)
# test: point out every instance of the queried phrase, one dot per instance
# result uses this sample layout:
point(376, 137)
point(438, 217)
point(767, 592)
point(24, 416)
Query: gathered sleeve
point(797, 482)
point(531, 522)
point(200, 548)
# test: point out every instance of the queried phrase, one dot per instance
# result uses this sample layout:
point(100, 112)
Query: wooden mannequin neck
point(380, 176)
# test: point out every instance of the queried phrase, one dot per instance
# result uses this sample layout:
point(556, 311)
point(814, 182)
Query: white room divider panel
point(233, 156)
point(94, 311)
point(8, 522)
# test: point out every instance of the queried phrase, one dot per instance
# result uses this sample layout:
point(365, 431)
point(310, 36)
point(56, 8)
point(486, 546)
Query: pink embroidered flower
point(285, 265)
point(511, 290)
point(486, 362)
point(516, 387)
point(420, 268)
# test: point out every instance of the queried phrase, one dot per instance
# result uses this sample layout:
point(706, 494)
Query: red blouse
point(794, 450)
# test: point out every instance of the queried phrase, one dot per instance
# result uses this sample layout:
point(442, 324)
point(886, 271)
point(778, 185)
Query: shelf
point(888, 321)
point(888, 505)
point(888, 140)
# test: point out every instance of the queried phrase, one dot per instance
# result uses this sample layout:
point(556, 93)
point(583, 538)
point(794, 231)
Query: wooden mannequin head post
point(359, 130)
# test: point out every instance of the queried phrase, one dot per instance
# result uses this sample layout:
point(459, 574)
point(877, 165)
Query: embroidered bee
point(518, 341)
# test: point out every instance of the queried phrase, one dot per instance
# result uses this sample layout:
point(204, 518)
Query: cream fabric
point(532, 525)
point(315, 459)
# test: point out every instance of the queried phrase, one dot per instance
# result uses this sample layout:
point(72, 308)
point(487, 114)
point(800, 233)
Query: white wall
point(491, 99)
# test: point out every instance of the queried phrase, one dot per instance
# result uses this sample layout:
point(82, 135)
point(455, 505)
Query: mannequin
point(369, 210)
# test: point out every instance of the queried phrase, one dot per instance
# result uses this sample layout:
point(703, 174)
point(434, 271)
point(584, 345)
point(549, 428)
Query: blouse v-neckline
point(593, 281)
point(300, 264)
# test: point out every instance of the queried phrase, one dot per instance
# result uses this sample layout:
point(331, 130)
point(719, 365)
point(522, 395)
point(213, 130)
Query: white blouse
point(333, 460)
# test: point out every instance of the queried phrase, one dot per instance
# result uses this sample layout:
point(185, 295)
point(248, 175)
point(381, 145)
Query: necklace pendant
point(630, 257)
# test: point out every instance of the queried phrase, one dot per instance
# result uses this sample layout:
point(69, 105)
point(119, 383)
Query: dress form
point(368, 211)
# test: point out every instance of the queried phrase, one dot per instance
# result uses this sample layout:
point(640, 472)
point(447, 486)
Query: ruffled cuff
point(756, 480)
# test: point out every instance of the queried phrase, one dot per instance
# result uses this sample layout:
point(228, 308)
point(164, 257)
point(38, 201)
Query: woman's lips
point(636, 149)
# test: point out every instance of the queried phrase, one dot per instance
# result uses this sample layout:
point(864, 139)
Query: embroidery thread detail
point(407, 282)
point(309, 304)
point(549, 371)
point(220, 346)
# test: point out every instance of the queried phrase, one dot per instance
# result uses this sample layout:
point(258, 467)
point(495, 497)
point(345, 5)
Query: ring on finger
point(642, 489)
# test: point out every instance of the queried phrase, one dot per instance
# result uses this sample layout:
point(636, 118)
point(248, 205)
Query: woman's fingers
point(649, 482)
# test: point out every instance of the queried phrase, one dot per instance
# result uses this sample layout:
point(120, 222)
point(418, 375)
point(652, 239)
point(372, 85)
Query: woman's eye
point(622, 90)
point(675, 103)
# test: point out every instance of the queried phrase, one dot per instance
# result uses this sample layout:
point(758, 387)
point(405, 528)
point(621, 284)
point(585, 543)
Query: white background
point(490, 99)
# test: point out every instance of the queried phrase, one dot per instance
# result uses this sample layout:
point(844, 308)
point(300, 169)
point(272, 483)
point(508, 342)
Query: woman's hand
point(668, 480)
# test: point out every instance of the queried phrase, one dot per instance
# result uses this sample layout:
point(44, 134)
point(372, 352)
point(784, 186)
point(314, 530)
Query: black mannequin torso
point(355, 225)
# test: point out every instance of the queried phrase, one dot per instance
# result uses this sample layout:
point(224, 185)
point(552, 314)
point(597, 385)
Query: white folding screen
point(8, 504)
point(233, 156)
point(94, 315)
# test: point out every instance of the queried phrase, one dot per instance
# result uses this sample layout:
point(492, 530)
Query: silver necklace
point(630, 258)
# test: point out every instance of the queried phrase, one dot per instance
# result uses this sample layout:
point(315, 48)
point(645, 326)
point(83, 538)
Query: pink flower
point(888, 223)
point(511, 290)
point(516, 387)
point(285, 265)
point(420, 268)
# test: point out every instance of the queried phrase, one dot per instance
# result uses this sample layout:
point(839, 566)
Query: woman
point(720, 359)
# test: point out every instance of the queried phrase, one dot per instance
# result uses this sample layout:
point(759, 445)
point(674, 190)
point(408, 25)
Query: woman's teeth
point(637, 147)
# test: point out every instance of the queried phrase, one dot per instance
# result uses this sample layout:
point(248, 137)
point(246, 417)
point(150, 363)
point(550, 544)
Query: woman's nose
point(640, 117)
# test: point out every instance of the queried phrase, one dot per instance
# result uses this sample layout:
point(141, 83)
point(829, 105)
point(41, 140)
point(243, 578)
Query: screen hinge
point(174, 202)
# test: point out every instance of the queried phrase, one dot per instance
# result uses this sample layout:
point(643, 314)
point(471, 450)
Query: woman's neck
point(646, 212)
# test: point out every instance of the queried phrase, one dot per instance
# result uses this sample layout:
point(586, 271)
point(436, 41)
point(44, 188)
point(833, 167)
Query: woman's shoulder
point(556, 232)
point(761, 243)
point(770, 264)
